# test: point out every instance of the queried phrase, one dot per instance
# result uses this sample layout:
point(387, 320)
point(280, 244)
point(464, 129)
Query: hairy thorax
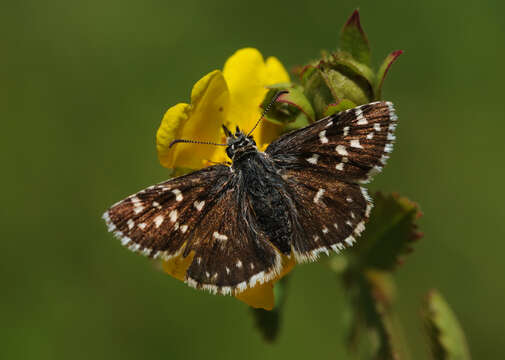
point(263, 190)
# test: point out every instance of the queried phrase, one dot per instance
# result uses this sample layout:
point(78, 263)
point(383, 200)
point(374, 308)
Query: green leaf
point(383, 70)
point(269, 322)
point(446, 337)
point(354, 40)
point(389, 234)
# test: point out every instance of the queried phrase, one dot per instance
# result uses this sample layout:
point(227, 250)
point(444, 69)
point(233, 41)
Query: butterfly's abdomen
point(267, 209)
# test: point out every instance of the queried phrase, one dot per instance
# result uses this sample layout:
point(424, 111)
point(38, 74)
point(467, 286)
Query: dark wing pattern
point(196, 215)
point(352, 145)
point(322, 164)
point(331, 213)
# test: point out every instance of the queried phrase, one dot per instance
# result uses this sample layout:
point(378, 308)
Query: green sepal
point(338, 107)
point(291, 110)
point(354, 40)
point(268, 323)
point(389, 234)
point(346, 84)
point(344, 59)
point(317, 90)
point(446, 337)
point(383, 70)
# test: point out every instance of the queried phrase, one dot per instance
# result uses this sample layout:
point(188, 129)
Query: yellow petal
point(178, 266)
point(247, 76)
point(259, 297)
point(201, 120)
point(275, 71)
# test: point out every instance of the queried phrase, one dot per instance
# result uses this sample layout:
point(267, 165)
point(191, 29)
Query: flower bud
point(344, 79)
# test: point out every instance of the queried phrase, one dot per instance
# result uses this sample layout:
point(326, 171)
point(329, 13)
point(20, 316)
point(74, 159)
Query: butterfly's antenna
point(267, 109)
point(194, 142)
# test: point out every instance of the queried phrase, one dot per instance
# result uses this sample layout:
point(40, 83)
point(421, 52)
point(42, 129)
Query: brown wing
point(197, 215)
point(331, 214)
point(352, 145)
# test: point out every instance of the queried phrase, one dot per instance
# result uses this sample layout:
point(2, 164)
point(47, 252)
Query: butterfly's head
point(238, 144)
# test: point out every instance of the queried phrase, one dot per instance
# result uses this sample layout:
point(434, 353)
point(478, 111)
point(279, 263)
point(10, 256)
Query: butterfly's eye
point(251, 139)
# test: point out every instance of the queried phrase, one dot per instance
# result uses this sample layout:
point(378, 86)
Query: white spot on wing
point(173, 215)
point(370, 136)
point(359, 228)
point(330, 123)
point(142, 226)
point(219, 236)
point(355, 144)
point(158, 220)
point(318, 196)
point(239, 264)
point(322, 137)
point(368, 210)
point(350, 240)
point(178, 194)
point(377, 127)
point(184, 228)
point(313, 159)
point(374, 171)
point(242, 286)
point(130, 223)
point(360, 117)
point(259, 277)
point(346, 130)
point(340, 166)
point(199, 205)
point(341, 150)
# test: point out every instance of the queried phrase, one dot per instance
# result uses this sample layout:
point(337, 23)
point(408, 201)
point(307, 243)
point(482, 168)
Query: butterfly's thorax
point(263, 192)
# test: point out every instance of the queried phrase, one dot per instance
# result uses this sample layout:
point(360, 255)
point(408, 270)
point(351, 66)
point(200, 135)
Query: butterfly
point(300, 197)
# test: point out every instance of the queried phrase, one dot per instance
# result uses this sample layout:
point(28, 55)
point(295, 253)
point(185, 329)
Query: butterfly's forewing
point(156, 221)
point(352, 145)
point(322, 164)
point(196, 215)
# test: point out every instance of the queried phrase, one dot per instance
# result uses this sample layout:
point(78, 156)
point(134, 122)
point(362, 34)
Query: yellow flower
point(231, 97)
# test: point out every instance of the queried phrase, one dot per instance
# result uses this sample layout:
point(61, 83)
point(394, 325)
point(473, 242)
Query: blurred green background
point(84, 85)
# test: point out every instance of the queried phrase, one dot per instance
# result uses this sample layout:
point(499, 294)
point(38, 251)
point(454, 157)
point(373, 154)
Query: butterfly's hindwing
point(352, 145)
point(228, 256)
point(331, 213)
